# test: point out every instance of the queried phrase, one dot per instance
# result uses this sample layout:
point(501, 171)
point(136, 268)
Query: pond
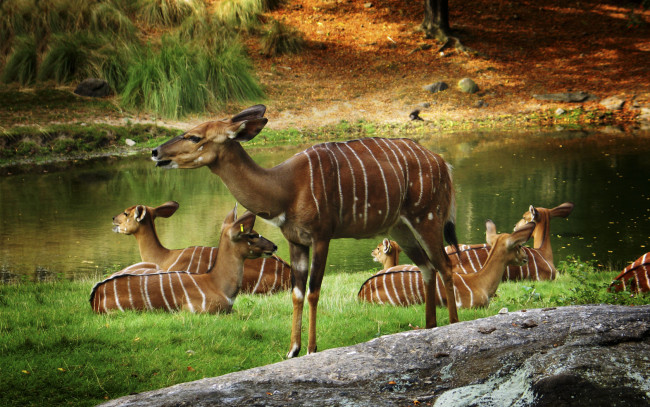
point(59, 222)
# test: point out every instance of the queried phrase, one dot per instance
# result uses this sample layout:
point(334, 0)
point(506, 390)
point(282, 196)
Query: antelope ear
point(562, 210)
point(490, 232)
point(522, 235)
point(387, 246)
point(165, 210)
point(140, 213)
point(253, 112)
point(534, 213)
point(246, 130)
point(244, 224)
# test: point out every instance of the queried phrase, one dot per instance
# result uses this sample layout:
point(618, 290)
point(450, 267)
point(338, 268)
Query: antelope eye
point(194, 139)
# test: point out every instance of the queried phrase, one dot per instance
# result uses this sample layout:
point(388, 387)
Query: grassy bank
point(55, 351)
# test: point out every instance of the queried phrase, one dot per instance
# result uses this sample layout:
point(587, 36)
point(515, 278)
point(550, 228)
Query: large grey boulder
point(570, 356)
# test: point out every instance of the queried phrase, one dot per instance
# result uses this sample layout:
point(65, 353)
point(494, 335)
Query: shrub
point(281, 39)
point(167, 13)
point(241, 14)
point(177, 79)
point(69, 56)
point(107, 18)
point(21, 64)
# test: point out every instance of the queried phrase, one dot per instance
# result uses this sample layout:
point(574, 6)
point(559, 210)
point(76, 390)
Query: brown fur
point(357, 189)
point(403, 285)
point(210, 292)
point(261, 275)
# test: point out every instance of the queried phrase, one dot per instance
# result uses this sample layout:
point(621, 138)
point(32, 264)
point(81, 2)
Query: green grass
point(54, 350)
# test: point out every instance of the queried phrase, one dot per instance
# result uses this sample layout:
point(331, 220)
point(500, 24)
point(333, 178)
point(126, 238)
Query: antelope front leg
point(319, 260)
point(299, 263)
point(430, 302)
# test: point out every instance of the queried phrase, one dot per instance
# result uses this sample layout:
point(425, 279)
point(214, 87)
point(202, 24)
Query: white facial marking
point(430, 216)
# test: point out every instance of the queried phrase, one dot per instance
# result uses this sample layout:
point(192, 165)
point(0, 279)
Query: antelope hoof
point(310, 351)
point(293, 352)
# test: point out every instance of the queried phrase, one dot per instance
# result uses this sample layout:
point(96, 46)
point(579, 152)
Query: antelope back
point(155, 289)
point(399, 285)
point(364, 186)
point(471, 259)
point(266, 275)
point(635, 277)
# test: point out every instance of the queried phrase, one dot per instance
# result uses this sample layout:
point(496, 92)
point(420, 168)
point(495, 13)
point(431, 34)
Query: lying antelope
point(636, 277)
point(261, 275)
point(540, 265)
point(403, 285)
point(210, 292)
point(353, 189)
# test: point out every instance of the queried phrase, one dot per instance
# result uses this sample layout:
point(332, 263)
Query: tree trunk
point(436, 19)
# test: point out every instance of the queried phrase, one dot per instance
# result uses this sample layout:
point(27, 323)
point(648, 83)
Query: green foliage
point(107, 18)
point(21, 65)
point(280, 39)
point(69, 57)
point(75, 39)
point(241, 14)
point(167, 13)
point(163, 82)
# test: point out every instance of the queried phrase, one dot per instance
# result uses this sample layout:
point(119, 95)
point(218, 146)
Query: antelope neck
point(262, 191)
point(151, 250)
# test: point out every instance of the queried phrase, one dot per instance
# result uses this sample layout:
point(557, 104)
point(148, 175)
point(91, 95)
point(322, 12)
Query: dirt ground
point(368, 60)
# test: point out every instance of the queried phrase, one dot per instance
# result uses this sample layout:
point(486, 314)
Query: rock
point(593, 355)
point(93, 87)
point(467, 85)
point(559, 111)
point(481, 103)
point(566, 97)
point(129, 142)
point(612, 103)
point(436, 87)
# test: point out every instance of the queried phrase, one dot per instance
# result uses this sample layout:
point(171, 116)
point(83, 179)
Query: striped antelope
point(261, 275)
point(540, 265)
point(636, 277)
point(403, 285)
point(354, 189)
point(210, 292)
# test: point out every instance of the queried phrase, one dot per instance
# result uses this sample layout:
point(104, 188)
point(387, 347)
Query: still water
point(59, 222)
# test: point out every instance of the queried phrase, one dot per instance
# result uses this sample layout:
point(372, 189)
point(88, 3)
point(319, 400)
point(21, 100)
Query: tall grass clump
point(68, 57)
point(280, 38)
point(22, 62)
point(108, 18)
point(112, 61)
point(241, 14)
point(179, 79)
point(167, 13)
point(229, 74)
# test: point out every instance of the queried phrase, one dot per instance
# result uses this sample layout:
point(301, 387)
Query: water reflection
point(60, 222)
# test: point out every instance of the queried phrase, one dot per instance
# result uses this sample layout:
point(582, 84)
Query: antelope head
point(543, 215)
point(512, 246)
point(387, 249)
point(203, 144)
point(239, 231)
point(129, 221)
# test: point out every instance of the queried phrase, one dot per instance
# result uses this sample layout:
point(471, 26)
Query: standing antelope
point(210, 292)
point(636, 276)
point(261, 275)
point(355, 189)
point(540, 265)
point(403, 285)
